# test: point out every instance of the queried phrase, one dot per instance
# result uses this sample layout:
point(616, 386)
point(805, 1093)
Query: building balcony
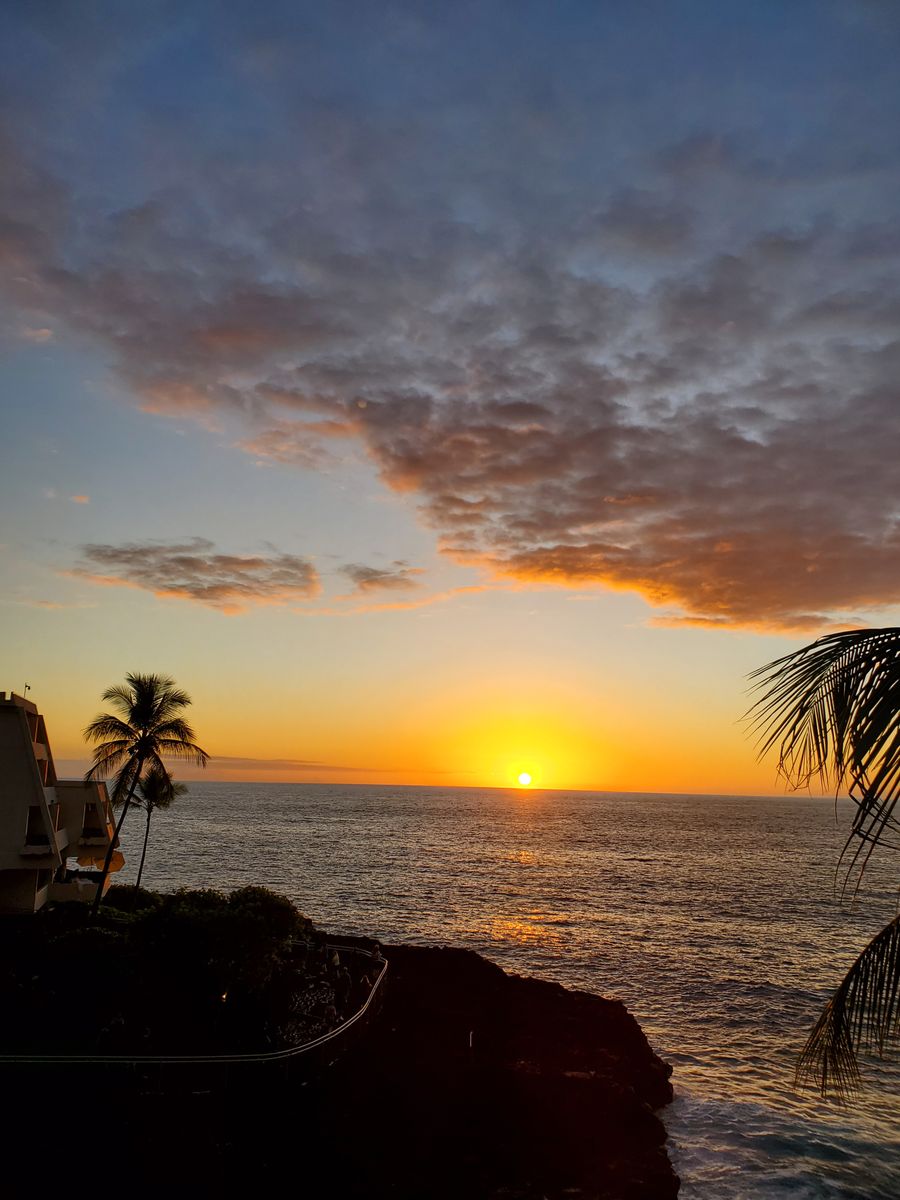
point(37, 846)
point(93, 836)
point(82, 887)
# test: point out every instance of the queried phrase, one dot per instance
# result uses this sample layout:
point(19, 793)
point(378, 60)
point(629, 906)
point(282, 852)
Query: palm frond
point(176, 748)
point(863, 1014)
point(171, 700)
point(159, 789)
point(121, 698)
point(154, 698)
point(107, 759)
point(125, 781)
point(106, 725)
point(175, 727)
point(832, 709)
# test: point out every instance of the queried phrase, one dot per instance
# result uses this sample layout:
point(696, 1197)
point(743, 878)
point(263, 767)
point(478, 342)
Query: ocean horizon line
point(522, 791)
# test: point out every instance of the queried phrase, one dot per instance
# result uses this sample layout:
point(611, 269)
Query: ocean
point(714, 919)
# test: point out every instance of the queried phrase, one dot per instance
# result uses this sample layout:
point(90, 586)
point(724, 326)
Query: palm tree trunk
point(144, 851)
point(95, 907)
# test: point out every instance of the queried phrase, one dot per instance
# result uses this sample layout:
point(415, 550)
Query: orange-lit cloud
point(399, 575)
point(402, 605)
point(51, 605)
point(705, 419)
point(192, 570)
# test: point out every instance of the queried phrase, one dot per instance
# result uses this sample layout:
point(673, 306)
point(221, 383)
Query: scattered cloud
point(194, 570)
point(233, 762)
point(398, 576)
point(405, 605)
point(37, 336)
point(48, 605)
point(54, 605)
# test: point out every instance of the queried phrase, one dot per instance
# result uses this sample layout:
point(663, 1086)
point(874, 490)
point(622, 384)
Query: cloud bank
point(659, 352)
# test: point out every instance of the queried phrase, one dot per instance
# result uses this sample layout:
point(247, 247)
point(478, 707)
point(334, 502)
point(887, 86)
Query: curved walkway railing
point(266, 1056)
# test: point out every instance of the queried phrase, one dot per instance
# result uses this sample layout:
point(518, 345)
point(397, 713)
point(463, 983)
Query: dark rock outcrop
point(475, 1083)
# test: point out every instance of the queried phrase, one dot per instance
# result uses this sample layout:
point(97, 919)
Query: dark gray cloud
point(194, 570)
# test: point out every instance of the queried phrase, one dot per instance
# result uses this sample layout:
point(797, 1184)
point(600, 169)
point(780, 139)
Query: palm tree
point(146, 727)
point(832, 710)
point(158, 790)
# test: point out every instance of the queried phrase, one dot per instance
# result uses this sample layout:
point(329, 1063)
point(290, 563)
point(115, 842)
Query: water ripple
point(713, 918)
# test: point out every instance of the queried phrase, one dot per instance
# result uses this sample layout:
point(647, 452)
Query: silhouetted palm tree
point(158, 790)
point(146, 728)
point(832, 710)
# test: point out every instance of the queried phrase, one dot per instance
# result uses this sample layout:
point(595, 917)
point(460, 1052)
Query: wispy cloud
point(381, 606)
point(194, 570)
point(50, 605)
point(237, 763)
point(398, 576)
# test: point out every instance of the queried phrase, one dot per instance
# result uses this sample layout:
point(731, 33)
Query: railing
point(326, 1041)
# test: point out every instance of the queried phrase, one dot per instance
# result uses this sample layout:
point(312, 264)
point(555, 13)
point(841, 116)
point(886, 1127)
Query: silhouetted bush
point(195, 971)
point(124, 897)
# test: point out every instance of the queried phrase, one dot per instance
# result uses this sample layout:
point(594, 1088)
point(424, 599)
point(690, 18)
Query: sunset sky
point(443, 391)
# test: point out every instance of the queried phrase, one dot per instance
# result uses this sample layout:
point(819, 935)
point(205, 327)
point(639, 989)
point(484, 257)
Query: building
point(49, 827)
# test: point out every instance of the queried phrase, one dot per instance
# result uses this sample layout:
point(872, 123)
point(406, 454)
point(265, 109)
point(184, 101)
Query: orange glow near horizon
point(463, 731)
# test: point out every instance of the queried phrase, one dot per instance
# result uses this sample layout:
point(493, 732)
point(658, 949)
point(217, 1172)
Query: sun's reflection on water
point(534, 929)
point(525, 858)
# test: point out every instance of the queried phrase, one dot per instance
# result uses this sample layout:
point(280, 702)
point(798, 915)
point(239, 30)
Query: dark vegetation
point(193, 972)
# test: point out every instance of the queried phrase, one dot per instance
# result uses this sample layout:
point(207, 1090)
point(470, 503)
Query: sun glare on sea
point(524, 779)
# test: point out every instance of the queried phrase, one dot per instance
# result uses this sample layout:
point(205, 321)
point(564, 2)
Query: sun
point(524, 779)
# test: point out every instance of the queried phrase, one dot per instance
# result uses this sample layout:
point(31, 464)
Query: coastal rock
point(475, 1083)
point(467, 1083)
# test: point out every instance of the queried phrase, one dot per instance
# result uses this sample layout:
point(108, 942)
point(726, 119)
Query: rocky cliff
point(474, 1083)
